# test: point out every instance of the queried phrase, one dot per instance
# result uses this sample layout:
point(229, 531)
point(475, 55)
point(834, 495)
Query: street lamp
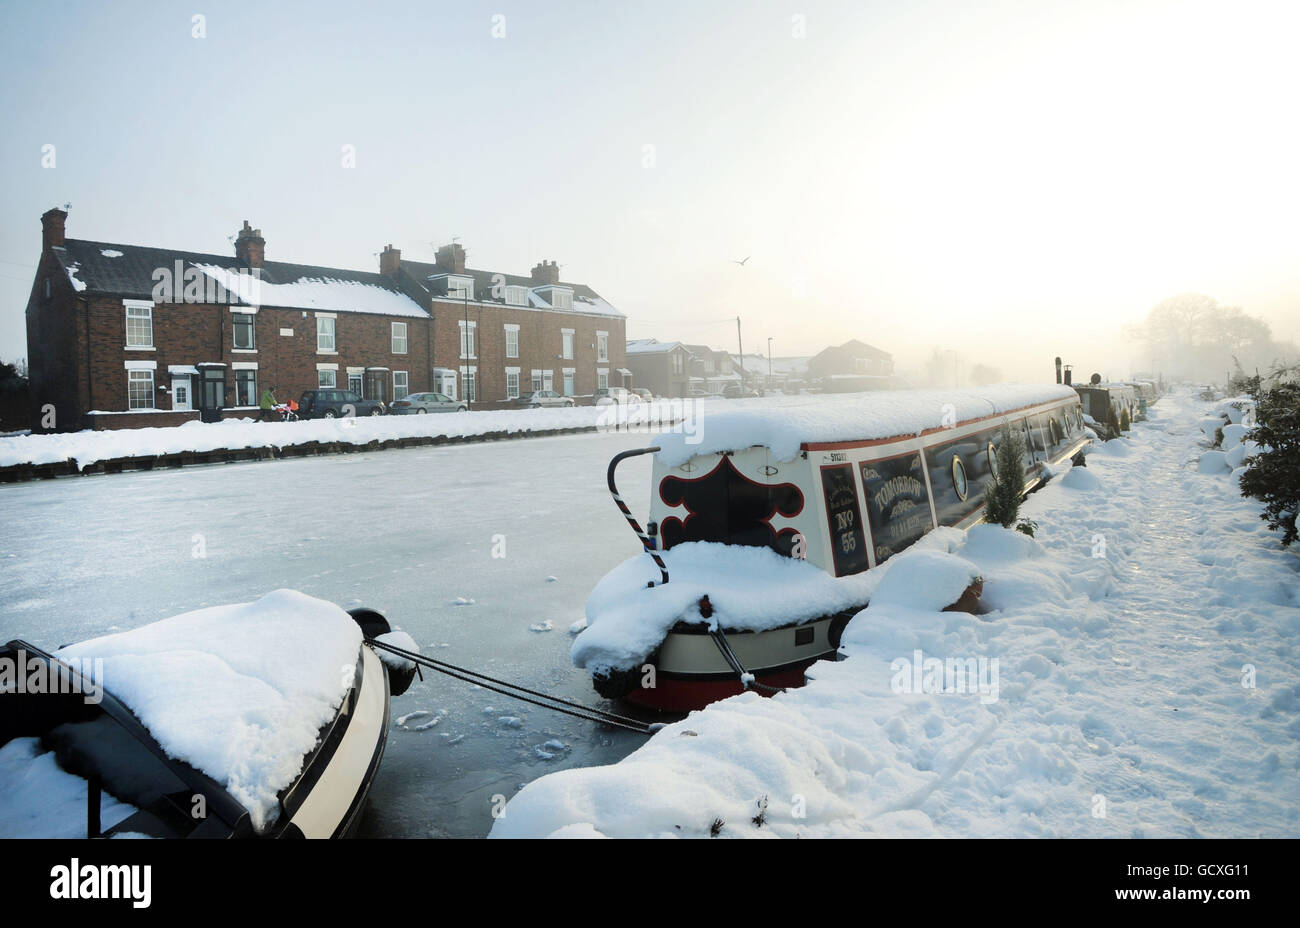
point(465, 343)
point(769, 360)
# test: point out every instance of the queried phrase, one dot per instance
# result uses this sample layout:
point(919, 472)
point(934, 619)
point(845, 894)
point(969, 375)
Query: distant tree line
point(1193, 337)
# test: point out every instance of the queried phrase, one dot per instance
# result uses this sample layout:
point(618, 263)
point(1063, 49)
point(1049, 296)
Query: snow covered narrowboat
point(765, 524)
point(1106, 404)
point(266, 719)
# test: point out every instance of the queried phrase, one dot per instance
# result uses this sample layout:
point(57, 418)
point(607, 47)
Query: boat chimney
point(1058, 368)
point(1069, 377)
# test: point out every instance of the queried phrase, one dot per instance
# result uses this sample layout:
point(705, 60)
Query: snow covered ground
point(408, 532)
point(1137, 675)
point(87, 447)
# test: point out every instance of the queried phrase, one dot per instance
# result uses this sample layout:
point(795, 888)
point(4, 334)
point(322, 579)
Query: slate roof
point(434, 279)
point(128, 271)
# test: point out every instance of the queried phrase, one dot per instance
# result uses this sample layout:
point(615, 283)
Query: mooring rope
point(515, 691)
point(746, 678)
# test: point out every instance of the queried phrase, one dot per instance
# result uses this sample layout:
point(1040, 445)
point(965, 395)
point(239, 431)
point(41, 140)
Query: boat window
point(959, 482)
point(993, 461)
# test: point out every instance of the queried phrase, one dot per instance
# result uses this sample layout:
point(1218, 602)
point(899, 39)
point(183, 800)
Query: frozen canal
point(405, 532)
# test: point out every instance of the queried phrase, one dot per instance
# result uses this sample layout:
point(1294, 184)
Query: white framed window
point(246, 387)
point(467, 330)
point(602, 346)
point(139, 389)
point(241, 325)
point(548, 380)
point(460, 288)
point(327, 380)
point(562, 299)
point(401, 384)
point(537, 381)
point(399, 338)
point(602, 378)
point(568, 381)
point(566, 339)
point(512, 383)
point(512, 341)
point(517, 296)
point(325, 333)
point(469, 383)
point(139, 323)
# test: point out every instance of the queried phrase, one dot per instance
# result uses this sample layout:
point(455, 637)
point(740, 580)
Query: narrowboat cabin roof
point(786, 428)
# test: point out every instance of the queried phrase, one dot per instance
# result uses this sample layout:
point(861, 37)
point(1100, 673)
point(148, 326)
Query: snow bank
point(1111, 698)
point(87, 447)
point(784, 424)
point(240, 692)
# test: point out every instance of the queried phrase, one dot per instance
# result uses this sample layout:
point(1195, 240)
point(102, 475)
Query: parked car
point(734, 391)
point(540, 398)
point(420, 403)
point(330, 404)
point(617, 396)
point(646, 395)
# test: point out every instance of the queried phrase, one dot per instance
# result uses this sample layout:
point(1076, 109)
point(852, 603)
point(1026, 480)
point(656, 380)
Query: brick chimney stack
point(52, 228)
point(250, 247)
point(390, 260)
point(451, 258)
point(548, 272)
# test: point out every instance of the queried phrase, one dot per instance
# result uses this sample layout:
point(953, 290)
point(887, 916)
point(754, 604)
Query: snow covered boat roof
point(239, 692)
point(786, 427)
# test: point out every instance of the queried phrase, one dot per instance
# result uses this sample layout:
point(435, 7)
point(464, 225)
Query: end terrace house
point(127, 336)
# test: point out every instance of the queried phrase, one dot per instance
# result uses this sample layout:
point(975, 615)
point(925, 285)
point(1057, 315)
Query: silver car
point(544, 398)
point(421, 403)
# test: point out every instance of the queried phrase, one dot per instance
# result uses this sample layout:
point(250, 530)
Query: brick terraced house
point(128, 336)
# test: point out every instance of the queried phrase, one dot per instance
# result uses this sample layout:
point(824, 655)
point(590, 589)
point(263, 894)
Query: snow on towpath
point(1122, 638)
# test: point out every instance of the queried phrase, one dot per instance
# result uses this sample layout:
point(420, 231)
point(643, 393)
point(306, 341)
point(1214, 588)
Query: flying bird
point(741, 263)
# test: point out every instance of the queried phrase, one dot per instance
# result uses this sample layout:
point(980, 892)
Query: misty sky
point(970, 175)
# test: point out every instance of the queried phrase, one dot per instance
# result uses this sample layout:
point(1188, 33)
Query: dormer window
point(517, 296)
point(461, 288)
point(562, 299)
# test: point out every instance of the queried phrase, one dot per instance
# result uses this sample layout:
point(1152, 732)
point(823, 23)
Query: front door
point(181, 398)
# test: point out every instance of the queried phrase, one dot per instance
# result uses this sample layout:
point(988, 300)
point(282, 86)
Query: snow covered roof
point(318, 293)
point(651, 346)
point(489, 287)
point(786, 425)
point(239, 692)
point(130, 271)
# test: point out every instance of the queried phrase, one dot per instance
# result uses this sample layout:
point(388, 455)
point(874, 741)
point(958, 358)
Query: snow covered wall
point(1135, 677)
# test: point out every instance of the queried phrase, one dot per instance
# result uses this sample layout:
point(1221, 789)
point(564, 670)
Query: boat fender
point(373, 624)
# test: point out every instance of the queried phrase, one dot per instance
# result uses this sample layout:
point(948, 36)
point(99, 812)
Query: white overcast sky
point(1013, 180)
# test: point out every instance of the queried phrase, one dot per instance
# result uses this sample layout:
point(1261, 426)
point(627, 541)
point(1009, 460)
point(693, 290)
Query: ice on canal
point(517, 533)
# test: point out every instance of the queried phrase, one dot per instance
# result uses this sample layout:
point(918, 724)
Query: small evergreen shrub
point(1002, 497)
point(1273, 472)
